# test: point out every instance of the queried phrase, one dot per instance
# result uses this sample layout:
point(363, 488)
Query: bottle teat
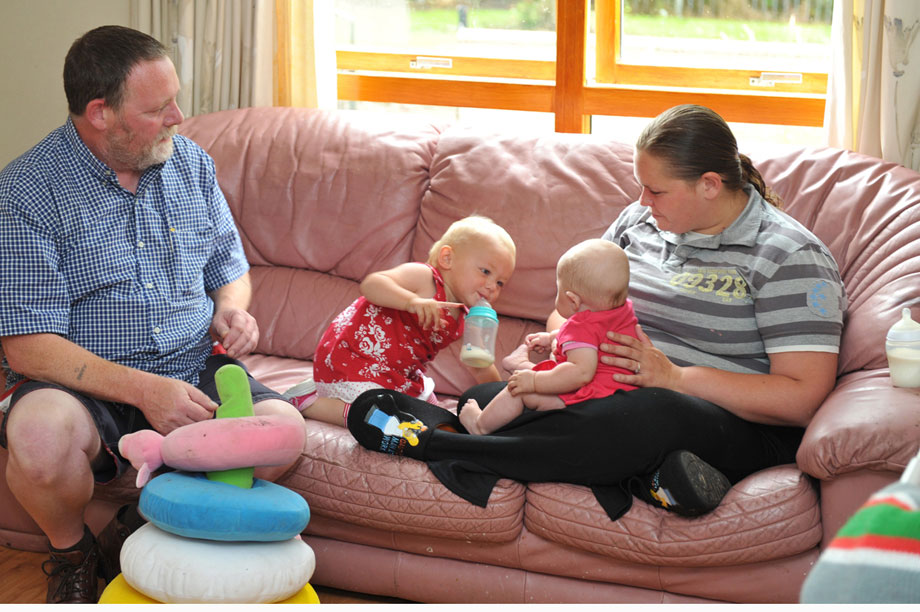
point(483, 309)
point(906, 329)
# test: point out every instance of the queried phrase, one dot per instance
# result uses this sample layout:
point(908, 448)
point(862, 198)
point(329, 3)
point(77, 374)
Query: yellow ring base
point(120, 592)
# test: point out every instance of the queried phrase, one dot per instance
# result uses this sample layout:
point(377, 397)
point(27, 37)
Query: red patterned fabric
point(382, 346)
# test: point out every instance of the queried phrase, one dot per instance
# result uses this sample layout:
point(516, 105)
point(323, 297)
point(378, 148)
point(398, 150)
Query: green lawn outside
point(433, 21)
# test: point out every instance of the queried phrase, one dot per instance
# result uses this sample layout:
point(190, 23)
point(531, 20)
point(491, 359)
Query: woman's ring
point(638, 368)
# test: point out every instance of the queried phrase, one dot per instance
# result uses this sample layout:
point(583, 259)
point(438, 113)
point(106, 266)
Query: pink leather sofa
point(322, 199)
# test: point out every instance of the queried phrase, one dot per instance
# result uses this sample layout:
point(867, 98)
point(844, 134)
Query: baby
point(405, 315)
point(591, 287)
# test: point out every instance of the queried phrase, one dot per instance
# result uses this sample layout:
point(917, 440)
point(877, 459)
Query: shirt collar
point(84, 155)
point(743, 230)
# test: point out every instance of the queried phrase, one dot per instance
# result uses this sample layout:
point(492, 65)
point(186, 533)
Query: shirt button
point(140, 244)
point(149, 285)
point(156, 330)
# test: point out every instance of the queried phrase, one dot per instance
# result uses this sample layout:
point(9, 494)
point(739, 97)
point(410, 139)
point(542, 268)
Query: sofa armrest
point(865, 423)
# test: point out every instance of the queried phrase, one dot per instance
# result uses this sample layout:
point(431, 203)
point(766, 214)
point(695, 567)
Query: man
point(120, 266)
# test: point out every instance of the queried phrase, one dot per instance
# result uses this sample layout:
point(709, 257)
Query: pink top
point(589, 329)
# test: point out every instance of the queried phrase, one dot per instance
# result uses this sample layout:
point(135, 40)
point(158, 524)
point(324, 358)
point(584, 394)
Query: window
point(754, 61)
point(771, 56)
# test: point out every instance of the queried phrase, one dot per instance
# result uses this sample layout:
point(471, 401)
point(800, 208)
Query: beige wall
point(34, 38)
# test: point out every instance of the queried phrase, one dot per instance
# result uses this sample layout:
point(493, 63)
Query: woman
point(740, 311)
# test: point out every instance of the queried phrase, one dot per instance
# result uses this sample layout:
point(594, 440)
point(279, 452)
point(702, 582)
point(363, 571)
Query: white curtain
point(873, 102)
point(311, 73)
point(222, 49)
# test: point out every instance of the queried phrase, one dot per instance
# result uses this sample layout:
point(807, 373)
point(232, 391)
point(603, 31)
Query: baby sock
point(304, 401)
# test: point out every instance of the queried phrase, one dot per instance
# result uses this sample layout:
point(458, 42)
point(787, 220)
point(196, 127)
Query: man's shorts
point(114, 420)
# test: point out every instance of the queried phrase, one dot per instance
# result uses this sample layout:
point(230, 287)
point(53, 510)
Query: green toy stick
point(236, 401)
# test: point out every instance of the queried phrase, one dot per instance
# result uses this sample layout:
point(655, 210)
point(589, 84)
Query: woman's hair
point(693, 140)
point(597, 270)
point(99, 62)
point(471, 229)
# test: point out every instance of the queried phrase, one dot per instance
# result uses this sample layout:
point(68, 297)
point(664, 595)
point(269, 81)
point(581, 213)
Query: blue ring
point(190, 505)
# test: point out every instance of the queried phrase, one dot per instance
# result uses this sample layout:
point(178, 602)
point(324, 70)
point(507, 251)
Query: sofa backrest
point(323, 198)
point(321, 201)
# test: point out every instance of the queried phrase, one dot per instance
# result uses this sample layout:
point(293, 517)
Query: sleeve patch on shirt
point(823, 300)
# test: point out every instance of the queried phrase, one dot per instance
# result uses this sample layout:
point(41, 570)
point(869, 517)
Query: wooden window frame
point(561, 87)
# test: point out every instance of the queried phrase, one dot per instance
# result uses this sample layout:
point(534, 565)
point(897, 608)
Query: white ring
point(638, 368)
point(173, 569)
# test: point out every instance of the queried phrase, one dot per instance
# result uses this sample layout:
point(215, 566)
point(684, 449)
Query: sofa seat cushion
point(341, 480)
point(347, 483)
point(769, 515)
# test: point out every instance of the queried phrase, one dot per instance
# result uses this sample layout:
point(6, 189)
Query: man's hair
point(470, 229)
point(99, 62)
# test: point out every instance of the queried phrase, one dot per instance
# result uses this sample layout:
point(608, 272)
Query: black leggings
point(604, 441)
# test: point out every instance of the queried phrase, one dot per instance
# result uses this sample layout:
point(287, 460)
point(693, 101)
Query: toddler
point(591, 288)
point(405, 315)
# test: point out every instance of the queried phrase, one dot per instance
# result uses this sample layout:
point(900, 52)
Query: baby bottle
point(903, 348)
point(479, 331)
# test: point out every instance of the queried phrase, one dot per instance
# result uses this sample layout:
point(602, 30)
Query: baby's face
point(480, 270)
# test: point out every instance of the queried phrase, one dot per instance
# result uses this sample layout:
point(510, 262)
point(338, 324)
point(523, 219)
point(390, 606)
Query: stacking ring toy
point(120, 592)
point(173, 569)
point(190, 505)
point(215, 444)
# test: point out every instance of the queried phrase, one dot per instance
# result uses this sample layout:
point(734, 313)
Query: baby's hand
point(430, 312)
point(522, 381)
point(540, 342)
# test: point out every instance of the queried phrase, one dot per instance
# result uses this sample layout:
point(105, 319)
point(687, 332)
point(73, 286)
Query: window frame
point(559, 87)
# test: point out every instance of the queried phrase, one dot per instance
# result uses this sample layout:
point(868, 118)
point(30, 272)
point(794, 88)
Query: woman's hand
point(650, 367)
point(788, 395)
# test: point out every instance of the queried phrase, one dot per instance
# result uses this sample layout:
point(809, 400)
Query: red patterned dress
point(371, 347)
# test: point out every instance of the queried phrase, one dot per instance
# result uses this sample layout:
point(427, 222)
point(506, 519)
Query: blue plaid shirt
point(123, 275)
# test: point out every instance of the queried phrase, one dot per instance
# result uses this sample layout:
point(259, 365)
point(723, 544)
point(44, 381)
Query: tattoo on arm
point(81, 371)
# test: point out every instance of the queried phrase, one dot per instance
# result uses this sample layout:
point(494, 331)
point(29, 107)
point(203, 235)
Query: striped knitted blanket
point(875, 557)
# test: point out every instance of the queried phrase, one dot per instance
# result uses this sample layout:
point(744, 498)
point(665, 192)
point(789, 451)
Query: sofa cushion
point(549, 192)
point(361, 174)
point(341, 480)
point(769, 515)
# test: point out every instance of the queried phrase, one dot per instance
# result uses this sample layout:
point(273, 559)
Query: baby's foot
point(518, 359)
point(469, 417)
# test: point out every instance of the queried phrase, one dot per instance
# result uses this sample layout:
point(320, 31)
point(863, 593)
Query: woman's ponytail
point(694, 140)
point(750, 174)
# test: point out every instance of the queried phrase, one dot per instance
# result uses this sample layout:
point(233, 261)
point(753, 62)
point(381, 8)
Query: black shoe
point(73, 574)
point(684, 484)
point(126, 521)
point(394, 423)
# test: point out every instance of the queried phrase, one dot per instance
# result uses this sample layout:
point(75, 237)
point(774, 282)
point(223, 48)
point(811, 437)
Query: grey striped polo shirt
point(764, 285)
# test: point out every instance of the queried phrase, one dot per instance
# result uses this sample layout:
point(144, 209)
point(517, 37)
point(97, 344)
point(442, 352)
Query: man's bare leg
point(53, 442)
point(276, 407)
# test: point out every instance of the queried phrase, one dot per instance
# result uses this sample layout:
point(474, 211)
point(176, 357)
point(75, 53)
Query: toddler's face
point(479, 269)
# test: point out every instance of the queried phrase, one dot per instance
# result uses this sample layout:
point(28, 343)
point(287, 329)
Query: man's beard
point(123, 154)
